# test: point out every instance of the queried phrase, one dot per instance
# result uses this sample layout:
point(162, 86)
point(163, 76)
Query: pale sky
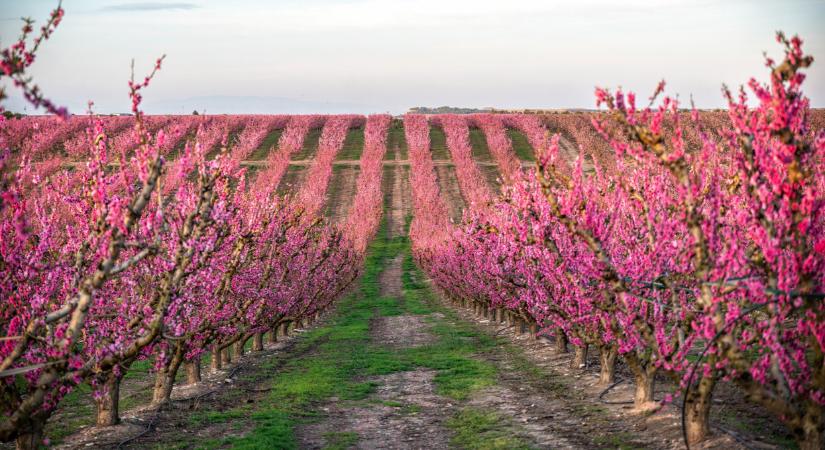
point(388, 55)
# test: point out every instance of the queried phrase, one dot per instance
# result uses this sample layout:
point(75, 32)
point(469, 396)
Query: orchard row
point(690, 247)
point(687, 244)
point(146, 238)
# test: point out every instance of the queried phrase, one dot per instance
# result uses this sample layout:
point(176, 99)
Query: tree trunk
point(697, 410)
point(108, 413)
point(813, 438)
point(607, 364)
point(226, 354)
point(643, 395)
point(285, 329)
point(643, 375)
point(561, 341)
point(519, 326)
point(165, 379)
point(163, 388)
point(580, 357)
point(238, 348)
point(193, 371)
point(273, 334)
point(258, 342)
point(33, 439)
point(534, 329)
point(217, 360)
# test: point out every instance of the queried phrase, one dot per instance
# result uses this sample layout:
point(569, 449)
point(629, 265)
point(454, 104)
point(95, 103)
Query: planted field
point(636, 277)
point(377, 355)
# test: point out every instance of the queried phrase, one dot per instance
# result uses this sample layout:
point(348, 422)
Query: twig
point(234, 370)
point(504, 329)
point(609, 388)
point(736, 436)
point(195, 397)
point(146, 430)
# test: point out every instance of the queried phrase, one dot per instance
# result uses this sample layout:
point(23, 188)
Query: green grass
point(482, 429)
point(481, 151)
point(208, 417)
point(178, 148)
point(310, 146)
point(438, 143)
point(619, 440)
point(271, 140)
point(336, 191)
point(521, 145)
point(396, 141)
point(337, 360)
point(78, 410)
point(292, 179)
point(231, 140)
point(353, 145)
point(730, 419)
point(340, 440)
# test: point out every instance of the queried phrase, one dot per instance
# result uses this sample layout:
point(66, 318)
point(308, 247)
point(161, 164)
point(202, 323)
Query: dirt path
point(570, 151)
point(404, 411)
point(410, 409)
point(390, 279)
point(400, 201)
point(407, 415)
point(342, 190)
point(449, 188)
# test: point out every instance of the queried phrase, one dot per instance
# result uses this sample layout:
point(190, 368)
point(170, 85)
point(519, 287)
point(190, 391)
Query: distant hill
point(460, 110)
point(253, 105)
point(446, 110)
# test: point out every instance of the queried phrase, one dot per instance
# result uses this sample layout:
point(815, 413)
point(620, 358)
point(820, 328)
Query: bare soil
point(390, 278)
point(401, 331)
point(342, 190)
point(404, 413)
point(570, 151)
point(449, 188)
point(400, 200)
point(661, 429)
point(292, 180)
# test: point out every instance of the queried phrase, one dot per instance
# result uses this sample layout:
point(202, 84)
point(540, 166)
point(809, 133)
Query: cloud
point(149, 6)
